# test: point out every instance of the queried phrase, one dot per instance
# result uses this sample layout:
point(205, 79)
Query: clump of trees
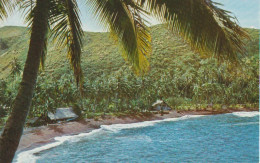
point(183, 87)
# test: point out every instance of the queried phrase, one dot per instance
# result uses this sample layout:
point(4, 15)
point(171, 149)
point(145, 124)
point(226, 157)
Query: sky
point(246, 11)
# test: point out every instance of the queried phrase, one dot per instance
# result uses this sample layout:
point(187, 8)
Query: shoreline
point(38, 136)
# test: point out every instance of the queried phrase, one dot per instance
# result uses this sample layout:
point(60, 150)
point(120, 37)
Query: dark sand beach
point(33, 137)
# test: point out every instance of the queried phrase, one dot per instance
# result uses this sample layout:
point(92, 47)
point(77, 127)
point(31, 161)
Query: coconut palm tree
point(15, 68)
point(62, 16)
point(209, 30)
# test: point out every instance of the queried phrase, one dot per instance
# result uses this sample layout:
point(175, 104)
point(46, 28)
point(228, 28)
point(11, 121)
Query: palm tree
point(15, 68)
point(62, 15)
point(208, 29)
point(14, 127)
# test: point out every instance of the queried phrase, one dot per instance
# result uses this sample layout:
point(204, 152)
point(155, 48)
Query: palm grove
point(208, 29)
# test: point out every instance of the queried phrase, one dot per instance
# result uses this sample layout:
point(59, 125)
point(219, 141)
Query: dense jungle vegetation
point(179, 76)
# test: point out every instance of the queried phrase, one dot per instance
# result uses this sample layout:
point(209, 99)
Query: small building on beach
point(62, 114)
point(160, 105)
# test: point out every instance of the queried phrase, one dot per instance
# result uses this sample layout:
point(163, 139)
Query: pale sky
point(246, 11)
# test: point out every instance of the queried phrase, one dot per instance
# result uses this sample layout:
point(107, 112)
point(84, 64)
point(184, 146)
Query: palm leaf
point(3, 12)
point(123, 19)
point(68, 33)
point(5, 6)
point(65, 27)
point(208, 29)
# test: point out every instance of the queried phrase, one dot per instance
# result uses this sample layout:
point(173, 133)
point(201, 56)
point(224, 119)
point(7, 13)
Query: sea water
point(217, 138)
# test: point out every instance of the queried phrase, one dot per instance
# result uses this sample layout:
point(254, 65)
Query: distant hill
point(101, 54)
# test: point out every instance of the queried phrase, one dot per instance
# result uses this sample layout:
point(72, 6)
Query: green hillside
point(100, 53)
point(177, 74)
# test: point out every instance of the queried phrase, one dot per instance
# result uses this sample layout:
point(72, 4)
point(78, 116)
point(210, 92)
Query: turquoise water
point(219, 138)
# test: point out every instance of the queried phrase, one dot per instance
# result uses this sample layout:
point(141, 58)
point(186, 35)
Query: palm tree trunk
point(13, 130)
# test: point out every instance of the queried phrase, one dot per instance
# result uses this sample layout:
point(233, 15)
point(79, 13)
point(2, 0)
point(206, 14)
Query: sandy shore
point(34, 137)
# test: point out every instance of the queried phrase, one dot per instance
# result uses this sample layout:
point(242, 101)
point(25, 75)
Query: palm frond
point(3, 12)
point(123, 19)
point(208, 28)
point(28, 8)
point(5, 6)
point(68, 33)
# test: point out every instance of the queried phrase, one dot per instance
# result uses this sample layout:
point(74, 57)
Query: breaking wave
point(246, 114)
point(118, 127)
point(29, 156)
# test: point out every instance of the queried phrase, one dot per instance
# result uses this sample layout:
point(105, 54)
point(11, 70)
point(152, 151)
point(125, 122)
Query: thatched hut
point(62, 114)
point(160, 105)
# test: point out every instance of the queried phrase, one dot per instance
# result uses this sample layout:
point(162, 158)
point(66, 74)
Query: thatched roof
point(160, 105)
point(158, 102)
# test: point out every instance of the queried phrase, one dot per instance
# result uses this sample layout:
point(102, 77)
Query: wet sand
point(33, 137)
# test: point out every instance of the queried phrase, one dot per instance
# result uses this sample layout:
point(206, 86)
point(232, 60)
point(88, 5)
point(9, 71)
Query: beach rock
point(36, 121)
point(63, 114)
point(33, 120)
point(161, 105)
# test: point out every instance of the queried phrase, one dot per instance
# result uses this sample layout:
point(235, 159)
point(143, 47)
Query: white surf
point(246, 114)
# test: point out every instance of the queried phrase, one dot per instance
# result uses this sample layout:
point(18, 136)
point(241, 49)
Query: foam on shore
point(28, 156)
point(118, 127)
point(246, 114)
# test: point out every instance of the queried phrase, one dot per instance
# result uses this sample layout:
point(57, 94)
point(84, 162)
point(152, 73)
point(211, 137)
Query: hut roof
point(158, 102)
point(62, 113)
point(160, 105)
